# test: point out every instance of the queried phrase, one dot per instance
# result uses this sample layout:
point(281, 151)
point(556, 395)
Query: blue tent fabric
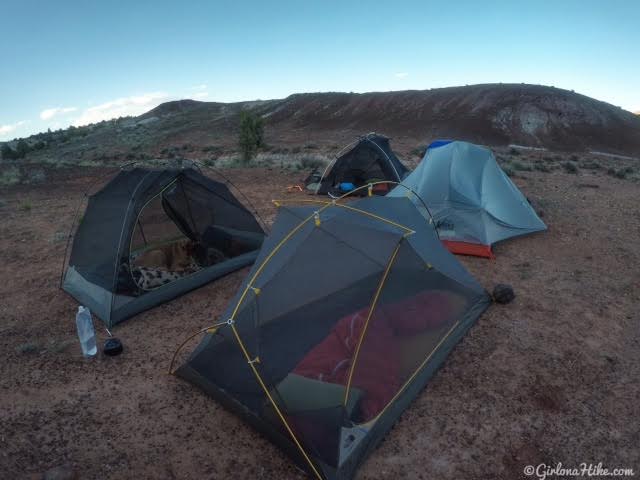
point(439, 143)
point(469, 197)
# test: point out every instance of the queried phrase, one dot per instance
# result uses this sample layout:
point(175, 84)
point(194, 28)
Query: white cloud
point(49, 113)
point(401, 75)
point(5, 130)
point(121, 107)
point(198, 92)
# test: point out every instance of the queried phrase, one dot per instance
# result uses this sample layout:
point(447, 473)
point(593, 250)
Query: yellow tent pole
point(369, 315)
point(415, 373)
point(348, 207)
point(273, 403)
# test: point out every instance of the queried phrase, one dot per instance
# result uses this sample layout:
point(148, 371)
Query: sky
point(70, 62)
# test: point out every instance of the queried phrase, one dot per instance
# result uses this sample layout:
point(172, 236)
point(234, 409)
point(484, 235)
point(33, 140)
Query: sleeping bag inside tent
point(369, 160)
point(151, 235)
point(474, 204)
point(346, 314)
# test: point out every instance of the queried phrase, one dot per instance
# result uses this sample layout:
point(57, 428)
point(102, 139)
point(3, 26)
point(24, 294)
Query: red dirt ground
point(552, 377)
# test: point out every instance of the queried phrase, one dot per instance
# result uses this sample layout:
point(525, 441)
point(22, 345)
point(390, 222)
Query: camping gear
point(369, 157)
point(503, 293)
point(112, 347)
point(150, 235)
point(86, 333)
point(474, 204)
point(313, 180)
point(346, 187)
point(348, 311)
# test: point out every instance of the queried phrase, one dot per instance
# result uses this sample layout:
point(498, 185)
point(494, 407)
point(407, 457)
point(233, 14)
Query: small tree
point(251, 135)
point(7, 152)
point(22, 149)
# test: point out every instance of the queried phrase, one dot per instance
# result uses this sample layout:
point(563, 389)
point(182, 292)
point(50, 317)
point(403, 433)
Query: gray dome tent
point(344, 317)
point(474, 204)
point(367, 160)
point(150, 235)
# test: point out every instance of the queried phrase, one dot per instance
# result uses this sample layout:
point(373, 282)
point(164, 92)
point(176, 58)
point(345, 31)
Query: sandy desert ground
point(552, 377)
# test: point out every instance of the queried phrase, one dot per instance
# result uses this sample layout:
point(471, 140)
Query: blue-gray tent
point(474, 204)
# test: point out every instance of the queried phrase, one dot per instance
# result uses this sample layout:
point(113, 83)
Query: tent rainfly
point(344, 317)
point(369, 160)
point(151, 235)
point(474, 204)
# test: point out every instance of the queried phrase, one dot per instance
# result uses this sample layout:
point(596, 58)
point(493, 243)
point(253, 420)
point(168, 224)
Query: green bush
point(508, 169)
point(10, 176)
point(570, 167)
point(7, 152)
point(514, 151)
point(251, 135)
point(522, 167)
point(592, 165)
point(311, 163)
point(622, 173)
point(541, 167)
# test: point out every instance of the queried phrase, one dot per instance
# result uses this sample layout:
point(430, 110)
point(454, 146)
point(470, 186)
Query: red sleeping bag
point(377, 371)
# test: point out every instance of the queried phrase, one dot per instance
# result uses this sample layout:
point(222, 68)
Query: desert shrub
point(621, 173)
point(10, 176)
point(570, 167)
point(26, 206)
point(311, 163)
point(514, 151)
point(574, 158)
point(60, 346)
point(310, 146)
point(591, 165)
point(251, 135)
point(508, 169)
point(522, 167)
point(548, 158)
point(278, 150)
point(36, 175)
point(211, 148)
point(27, 348)
point(419, 151)
point(59, 237)
point(22, 148)
point(295, 150)
point(7, 152)
point(541, 167)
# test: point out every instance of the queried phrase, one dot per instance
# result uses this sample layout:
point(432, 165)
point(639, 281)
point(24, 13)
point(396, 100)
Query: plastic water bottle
point(86, 333)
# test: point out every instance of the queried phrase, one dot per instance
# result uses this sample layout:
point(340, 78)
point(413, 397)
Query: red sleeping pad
point(377, 371)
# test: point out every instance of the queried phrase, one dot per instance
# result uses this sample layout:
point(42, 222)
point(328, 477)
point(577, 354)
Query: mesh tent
point(150, 235)
point(369, 160)
point(473, 202)
point(342, 320)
